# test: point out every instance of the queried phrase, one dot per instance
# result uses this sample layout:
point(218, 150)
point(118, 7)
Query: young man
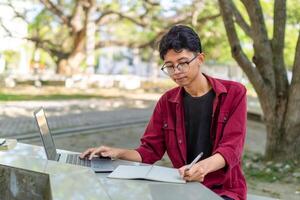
point(202, 114)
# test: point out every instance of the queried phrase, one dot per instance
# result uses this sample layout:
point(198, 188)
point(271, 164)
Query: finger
point(105, 151)
point(182, 175)
point(93, 153)
point(191, 175)
point(199, 177)
point(106, 154)
point(181, 171)
point(187, 172)
point(196, 171)
point(193, 170)
point(86, 152)
point(188, 178)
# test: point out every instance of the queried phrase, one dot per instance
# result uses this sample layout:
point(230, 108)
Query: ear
point(201, 57)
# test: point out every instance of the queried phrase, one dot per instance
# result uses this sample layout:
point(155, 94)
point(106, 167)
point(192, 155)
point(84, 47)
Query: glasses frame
point(177, 66)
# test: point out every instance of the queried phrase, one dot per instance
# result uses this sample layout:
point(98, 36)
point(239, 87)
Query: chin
point(182, 83)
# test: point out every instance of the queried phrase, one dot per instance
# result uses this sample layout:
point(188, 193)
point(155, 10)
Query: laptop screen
point(45, 134)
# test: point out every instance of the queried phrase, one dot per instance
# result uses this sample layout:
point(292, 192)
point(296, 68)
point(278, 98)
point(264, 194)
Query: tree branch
point(102, 16)
point(296, 66)
point(108, 43)
point(239, 19)
point(17, 14)
point(207, 18)
point(152, 3)
point(9, 34)
point(122, 16)
point(263, 61)
point(151, 43)
point(292, 115)
point(197, 9)
point(238, 53)
point(147, 4)
point(47, 46)
point(75, 18)
point(278, 46)
point(56, 11)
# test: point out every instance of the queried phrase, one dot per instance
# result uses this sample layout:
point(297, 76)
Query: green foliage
point(49, 27)
point(293, 14)
point(11, 57)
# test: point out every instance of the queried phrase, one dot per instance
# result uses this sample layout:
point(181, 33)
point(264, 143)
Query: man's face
point(186, 58)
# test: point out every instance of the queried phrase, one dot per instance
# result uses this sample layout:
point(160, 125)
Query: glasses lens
point(183, 67)
point(168, 69)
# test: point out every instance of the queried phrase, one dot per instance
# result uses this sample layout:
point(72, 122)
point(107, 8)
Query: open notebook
point(151, 172)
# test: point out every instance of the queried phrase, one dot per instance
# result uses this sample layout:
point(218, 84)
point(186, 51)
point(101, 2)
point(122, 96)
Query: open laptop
point(102, 164)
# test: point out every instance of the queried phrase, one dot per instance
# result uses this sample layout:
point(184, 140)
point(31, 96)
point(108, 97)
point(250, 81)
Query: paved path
point(16, 118)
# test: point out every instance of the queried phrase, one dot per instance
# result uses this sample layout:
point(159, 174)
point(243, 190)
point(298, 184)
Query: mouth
point(180, 79)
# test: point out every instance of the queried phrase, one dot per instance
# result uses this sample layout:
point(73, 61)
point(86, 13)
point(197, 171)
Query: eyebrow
point(182, 58)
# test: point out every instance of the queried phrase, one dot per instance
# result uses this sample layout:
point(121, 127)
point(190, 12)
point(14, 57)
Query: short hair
point(180, 37)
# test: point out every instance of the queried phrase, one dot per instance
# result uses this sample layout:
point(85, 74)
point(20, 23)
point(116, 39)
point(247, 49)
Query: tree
point(68, 46)
point(60, 28)
point(279, 98)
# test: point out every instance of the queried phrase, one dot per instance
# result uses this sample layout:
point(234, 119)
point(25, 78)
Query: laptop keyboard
point(75, 160)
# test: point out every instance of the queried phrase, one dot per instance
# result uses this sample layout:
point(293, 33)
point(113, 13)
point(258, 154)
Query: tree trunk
point(280, 101)
point(62, 67)
point(71, 64)
point(275, 133)
point(283, 139)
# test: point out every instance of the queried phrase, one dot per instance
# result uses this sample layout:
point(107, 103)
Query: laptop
point(98, 164)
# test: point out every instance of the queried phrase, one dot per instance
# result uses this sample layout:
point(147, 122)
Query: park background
point(94, 65)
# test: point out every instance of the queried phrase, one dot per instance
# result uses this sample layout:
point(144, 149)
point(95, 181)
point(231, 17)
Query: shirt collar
point(216, 85)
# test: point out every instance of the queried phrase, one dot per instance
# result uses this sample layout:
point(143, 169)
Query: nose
point(176, 70)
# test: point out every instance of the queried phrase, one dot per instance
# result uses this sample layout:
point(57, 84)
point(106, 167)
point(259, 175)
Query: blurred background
point(94, 66)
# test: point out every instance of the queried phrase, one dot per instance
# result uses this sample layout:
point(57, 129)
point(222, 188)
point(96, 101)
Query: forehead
point(172, 55)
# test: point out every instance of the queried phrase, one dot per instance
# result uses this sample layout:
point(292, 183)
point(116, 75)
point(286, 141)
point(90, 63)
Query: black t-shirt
point(198, 115)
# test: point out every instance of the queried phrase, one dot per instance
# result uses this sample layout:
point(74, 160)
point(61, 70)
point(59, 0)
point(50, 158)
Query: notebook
point(151, 172)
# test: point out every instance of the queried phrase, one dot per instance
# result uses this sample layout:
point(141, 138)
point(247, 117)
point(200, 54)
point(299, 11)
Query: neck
point(198, 87)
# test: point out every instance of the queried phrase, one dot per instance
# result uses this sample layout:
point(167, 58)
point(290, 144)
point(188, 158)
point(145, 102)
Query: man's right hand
point(104, 151)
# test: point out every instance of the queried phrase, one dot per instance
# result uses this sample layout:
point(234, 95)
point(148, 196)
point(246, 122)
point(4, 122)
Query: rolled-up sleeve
point(152, 146)
point(233, 136)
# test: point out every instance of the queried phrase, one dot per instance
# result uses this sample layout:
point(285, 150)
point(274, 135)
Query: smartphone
point(2, 141)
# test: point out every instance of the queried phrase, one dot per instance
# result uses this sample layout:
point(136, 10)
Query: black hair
point(180, 37)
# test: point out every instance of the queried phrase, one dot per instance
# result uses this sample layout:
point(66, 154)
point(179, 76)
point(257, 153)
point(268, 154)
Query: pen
point(194, 161)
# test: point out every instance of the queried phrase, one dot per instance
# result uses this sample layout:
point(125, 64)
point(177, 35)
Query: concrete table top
point(25, 173)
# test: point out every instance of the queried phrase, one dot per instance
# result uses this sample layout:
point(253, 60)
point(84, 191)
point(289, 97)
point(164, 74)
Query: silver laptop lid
point(44, 130)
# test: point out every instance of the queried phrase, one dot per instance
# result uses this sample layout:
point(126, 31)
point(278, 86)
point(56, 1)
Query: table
point(25, 173)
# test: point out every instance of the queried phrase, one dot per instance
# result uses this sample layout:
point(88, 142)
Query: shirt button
point(180, 141)
point(165, 125)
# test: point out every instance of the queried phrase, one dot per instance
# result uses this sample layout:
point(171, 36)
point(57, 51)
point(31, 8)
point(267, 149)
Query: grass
point(25, 97)
point(25, 93)
point(256, 168)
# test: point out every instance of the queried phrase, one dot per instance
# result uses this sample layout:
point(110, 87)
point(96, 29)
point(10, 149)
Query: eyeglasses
point(169, 69)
